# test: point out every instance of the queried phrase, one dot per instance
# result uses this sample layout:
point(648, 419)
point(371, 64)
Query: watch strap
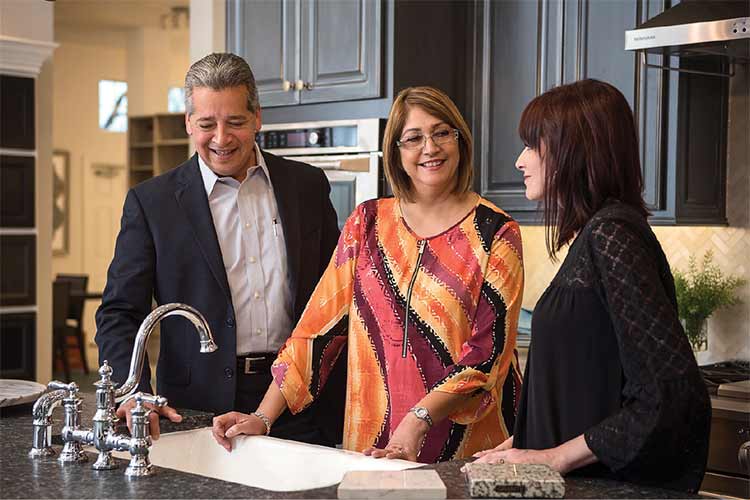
point(422, 414)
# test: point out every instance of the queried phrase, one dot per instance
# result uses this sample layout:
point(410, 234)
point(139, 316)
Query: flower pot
point(696, 330)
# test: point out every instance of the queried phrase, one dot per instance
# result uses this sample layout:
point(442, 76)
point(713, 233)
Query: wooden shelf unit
point(156, 144)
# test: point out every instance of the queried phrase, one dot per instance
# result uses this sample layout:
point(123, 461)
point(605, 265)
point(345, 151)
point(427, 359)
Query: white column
point(208, 28)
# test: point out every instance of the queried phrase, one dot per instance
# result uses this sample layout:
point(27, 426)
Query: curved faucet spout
point(148, 325)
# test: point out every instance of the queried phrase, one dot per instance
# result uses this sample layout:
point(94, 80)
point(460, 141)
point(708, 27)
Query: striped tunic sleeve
point(304, 363)
point(488, 355)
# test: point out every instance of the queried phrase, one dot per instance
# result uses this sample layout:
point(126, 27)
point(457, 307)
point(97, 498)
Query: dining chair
point(77, 299)
point(60, 306)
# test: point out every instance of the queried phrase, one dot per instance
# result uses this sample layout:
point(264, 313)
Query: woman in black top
point(611, 385)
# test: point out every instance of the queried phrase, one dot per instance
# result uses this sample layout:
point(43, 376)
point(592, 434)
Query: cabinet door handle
point(286, 86)
point(299, 85)
point(308, 86)
point(743, 455)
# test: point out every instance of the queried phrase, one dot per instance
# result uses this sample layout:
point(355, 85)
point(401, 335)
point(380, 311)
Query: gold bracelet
point(266, 421)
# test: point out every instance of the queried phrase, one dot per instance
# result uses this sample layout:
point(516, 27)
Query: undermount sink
point(262, 462)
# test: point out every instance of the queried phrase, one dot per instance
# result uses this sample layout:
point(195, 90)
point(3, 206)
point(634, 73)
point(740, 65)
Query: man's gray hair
point(219, 71)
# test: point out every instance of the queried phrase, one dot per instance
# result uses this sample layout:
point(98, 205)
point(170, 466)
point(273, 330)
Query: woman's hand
point(568, 456)
point(505, 445)
point(511, 455)
point(405, 442)
point(234, 423)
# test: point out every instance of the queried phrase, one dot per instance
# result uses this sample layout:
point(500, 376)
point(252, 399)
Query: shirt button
point(256, 295)
point(230, 322)
point(247, 225)
point(252, 260)
point(258, 331)
point(228, 372)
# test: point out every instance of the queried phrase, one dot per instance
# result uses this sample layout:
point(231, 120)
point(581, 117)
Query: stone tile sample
point(513, 481)
point(406, 484)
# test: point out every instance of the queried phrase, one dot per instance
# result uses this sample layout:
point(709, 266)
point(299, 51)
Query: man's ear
point(258, 121)
point(188, 127)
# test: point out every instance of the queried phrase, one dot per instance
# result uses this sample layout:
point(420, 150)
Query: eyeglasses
point(418, 141)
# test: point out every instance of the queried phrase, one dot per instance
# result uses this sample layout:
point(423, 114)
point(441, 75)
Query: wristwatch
point(422, 414)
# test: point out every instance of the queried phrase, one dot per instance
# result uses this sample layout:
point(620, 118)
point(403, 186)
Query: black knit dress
point(609, 359)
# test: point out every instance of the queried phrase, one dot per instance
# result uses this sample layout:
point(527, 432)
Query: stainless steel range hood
point(718, 27)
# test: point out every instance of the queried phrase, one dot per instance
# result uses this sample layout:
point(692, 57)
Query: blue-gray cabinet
point(526, 47)
point(305, 51)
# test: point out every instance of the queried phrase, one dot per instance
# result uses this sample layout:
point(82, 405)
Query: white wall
point(79, 65)
point(156, 60)
point(150, 60)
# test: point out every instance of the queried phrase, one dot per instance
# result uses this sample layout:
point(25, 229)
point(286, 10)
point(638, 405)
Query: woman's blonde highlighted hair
point(439, 105)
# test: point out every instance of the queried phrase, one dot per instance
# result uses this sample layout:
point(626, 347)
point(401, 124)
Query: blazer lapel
point(191, 196)
point(285, 190)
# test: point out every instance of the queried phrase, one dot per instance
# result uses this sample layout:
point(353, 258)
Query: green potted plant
point(699, 293)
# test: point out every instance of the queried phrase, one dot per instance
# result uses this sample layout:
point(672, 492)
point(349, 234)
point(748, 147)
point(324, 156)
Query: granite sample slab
point(513, 481)
point(405, 484)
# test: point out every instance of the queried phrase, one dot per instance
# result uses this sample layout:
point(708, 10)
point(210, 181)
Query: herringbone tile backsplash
point(728, 329)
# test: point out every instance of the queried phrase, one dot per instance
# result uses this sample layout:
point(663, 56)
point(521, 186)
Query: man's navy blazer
point(168, 249)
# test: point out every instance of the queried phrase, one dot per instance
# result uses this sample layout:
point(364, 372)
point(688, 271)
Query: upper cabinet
point(305, 51)
point(525, 48)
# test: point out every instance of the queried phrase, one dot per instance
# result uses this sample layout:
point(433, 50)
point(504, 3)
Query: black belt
point(256, 362)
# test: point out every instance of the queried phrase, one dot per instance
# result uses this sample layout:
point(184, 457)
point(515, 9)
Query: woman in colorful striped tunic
point(425, 289)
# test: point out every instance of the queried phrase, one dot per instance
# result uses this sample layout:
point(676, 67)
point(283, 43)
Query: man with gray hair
point(225, 232)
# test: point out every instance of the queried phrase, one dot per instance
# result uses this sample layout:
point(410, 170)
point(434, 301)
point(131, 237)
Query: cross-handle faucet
point(140, 439)
point(102, 434)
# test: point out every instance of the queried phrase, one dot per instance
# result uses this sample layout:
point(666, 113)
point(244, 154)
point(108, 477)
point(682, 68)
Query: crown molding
point(23, 56)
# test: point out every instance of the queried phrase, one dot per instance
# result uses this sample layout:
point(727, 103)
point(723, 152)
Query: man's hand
point(234, 423)
point(153, 417)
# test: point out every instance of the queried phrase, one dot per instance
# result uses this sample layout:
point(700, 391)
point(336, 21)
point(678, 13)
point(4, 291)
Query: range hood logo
point(644, 37)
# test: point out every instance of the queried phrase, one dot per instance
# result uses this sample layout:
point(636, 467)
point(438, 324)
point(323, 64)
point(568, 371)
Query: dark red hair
point(590, 154)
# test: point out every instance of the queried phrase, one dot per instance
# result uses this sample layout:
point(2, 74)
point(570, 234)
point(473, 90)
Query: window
point(113, 105)
point(176, 100)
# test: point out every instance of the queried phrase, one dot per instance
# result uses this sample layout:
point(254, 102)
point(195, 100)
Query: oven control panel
point(321, 137)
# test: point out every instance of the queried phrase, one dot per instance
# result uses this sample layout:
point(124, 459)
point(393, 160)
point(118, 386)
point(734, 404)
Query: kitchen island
point(22, 477)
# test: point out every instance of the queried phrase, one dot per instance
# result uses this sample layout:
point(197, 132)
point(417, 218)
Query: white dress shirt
point(252, 246)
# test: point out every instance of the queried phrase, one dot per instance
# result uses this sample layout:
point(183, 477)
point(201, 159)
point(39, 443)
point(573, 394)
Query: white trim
point(18, 309)
point(18, 152)
point(23, 56)
point(20, 230)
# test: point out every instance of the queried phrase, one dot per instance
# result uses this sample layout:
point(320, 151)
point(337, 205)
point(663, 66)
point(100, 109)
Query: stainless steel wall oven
point(347, 150)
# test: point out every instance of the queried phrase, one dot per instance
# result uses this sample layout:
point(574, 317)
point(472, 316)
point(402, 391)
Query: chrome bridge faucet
point(102, 434)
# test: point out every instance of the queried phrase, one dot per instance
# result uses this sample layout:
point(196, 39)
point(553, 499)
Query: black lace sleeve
point(661, 432)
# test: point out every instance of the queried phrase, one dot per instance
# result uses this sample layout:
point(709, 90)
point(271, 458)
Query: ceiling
point(119, 14)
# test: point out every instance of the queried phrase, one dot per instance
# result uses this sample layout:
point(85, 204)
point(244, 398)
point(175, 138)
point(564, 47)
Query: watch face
point(420, 412)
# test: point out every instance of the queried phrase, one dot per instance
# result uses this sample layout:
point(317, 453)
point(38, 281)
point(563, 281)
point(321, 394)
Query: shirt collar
point(210, 178)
